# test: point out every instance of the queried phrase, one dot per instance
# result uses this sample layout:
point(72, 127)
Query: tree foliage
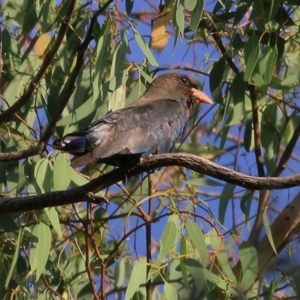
point(218, 223)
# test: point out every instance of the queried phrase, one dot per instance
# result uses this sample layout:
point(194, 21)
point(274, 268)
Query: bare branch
point(10, 156)
point(284, 228)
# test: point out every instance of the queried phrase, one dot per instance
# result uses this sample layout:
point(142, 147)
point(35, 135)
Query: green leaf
point(197, 273)
point(291, 76)
point(48, 15)
point(220, 282)
point(39, 252)
point(198, 240)
point(196, 13)
point(243, 7)
point(30, 17)
point(215, 80)
point(238, 90)
point(123, 271)
point(226, 194)
point(292, 59)
point(102, 53)
point(183, 253)
point(43, 175)
point(137, 278)
point(178, 20)
point(117, 99)
point(203, 182)
point(246, 201)
point(62, 172)
point(248, 135)
point(269, 136)
point(237, 42)
point(7, 222)
point(267, 63)
point(54, 219)
point(249, 261)
point(274, 5)
point(214, 239)
point(11, 48)
point(251, 56)
point(128, 6)
point(170, 292)
point(117, 70)
point(268, 231)
point(144, 47)
point(167, 240)
point(224, 263)
point(79, 179)
point(12, 268)
point(259, 81)
point(205, 151)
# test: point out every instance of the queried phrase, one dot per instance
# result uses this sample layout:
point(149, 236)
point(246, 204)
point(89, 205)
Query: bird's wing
point(143, 129)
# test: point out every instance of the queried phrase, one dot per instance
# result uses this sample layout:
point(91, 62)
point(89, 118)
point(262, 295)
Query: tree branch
point(17, 155)
point(283, 229)
point(193, 162)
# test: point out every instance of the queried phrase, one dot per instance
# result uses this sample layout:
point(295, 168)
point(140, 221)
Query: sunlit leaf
point(39, 252)
point(167, 240)
point(198, 240)
point(137, 278)
point(196, 270)
point(170, 292)
point(62, 173)
point(249, 262)
point(144, 47)
point(43, 175)
point(54, 219)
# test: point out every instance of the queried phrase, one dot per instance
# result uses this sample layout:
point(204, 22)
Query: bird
point(150, 125)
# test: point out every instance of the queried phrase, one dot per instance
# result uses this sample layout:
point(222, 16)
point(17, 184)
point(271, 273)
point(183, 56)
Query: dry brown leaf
point(159, 35)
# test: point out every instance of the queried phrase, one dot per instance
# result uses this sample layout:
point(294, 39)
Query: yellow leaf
point(160, 36)
point(42, 44)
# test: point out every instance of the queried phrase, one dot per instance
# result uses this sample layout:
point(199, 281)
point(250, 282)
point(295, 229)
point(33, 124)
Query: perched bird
point(152, 124)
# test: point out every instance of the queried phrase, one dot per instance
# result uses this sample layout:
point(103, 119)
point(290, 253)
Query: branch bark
point(283, 229)
point(193, 162)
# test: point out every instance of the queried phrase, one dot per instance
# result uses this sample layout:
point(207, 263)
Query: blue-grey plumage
point(152, 124)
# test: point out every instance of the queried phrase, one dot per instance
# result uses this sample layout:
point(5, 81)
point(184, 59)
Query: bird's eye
point(184, 79)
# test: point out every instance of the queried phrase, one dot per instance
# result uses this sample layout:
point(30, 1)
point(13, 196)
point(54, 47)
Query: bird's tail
point(74, 144)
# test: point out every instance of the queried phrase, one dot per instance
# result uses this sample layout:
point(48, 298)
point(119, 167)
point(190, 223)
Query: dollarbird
point(150, 125)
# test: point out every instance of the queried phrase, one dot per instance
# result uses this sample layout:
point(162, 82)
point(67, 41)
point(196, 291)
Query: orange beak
point(200, 96)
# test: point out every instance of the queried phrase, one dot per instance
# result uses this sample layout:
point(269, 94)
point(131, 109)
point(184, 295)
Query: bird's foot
point(97, 199)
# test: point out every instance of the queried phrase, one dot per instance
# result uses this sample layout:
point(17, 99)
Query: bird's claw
point(97, 199)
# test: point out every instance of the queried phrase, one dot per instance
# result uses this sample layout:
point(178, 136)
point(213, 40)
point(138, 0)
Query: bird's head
point(177, 86)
